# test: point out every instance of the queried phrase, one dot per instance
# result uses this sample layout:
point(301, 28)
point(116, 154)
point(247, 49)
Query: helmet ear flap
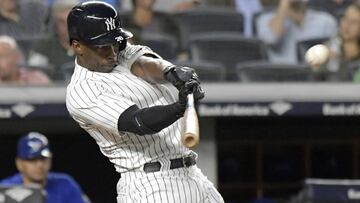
point(122, 44)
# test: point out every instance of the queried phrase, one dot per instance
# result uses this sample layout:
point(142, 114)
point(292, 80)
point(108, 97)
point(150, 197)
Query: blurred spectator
point(269, 3)
point(344, 50)
point(50, 2)
point(33, 162)
point(335, 7)
point(248, 9)
point(115, 3)
point(166, 5)
point(10, 70)
point(145, 21)
point(22, 19)
point(180, 6)
point(141, 19)
point(54, 51)
point(220, 3)
point(112, 2)
point(292, 22)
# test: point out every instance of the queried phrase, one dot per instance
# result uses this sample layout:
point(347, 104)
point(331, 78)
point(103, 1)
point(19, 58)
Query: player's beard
point(106, 65)
point(109, 68)
point(111, 61)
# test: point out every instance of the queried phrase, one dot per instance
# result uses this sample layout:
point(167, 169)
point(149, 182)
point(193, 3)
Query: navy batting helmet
point(96, 23)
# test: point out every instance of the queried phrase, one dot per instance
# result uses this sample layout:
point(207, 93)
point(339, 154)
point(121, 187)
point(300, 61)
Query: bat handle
point(190, 136)
point(190, 100)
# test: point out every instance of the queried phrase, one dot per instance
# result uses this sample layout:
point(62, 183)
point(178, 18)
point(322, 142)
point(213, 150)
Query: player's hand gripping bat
point(190, 134)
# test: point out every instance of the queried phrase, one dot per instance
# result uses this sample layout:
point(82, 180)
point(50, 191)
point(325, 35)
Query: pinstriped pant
point(182, 185)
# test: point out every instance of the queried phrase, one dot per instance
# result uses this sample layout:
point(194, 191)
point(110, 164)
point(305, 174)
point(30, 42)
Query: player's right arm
point(149, 66)
point(100, 108)
point(94, 108)
point(142, 121)
point(154, 69)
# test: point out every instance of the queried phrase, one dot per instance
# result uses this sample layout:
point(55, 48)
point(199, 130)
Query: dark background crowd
point(229, 40)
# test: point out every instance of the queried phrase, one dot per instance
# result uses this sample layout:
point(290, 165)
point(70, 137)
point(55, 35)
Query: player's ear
point(19, 164)
point(77, 47)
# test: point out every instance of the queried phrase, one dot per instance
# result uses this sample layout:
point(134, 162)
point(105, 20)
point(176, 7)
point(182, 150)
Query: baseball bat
point(190, 136)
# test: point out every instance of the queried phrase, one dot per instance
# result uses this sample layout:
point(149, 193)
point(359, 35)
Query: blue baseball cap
point(33, 146)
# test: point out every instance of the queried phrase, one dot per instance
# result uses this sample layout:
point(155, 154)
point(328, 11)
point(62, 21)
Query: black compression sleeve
point(149, 120)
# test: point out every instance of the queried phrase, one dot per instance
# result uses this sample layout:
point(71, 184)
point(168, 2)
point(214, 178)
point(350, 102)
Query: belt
point(174, 163)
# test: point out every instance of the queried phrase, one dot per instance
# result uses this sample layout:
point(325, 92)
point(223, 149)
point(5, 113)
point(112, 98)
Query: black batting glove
point(198, 93)
point(187, 88)
point(193, 87)
point(179, 75)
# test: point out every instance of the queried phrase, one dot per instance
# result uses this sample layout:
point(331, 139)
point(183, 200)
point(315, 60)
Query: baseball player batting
point(116, 95)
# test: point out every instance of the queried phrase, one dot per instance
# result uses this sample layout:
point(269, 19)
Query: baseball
point(317, 55)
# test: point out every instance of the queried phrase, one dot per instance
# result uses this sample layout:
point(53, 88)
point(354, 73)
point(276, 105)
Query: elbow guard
point(149, 120)
point(130, 121)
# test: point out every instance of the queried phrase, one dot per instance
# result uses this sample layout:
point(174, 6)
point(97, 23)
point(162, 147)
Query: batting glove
point(179, 75)
point(198, 93)
point(189, 87)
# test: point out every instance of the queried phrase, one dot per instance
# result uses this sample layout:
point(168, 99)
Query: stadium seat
point(125, 17)
point(335, 8)
point(207, 71)
point(27, 42)
point(269, 72)
point(202, 20)
point(164, 45)
point(39, 12)
point(162, 23)
point(304, 45)
point(226, 48)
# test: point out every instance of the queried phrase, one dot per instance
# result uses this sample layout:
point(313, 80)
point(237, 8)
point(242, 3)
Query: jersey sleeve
point(13, 180)
point(73, 192)
point(132, 52)
point(93, 108)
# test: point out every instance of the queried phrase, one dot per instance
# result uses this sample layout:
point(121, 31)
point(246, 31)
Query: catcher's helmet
point(96, 23)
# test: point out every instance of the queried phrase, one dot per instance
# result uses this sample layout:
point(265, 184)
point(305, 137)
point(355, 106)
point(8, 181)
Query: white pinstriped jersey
point(96, 100)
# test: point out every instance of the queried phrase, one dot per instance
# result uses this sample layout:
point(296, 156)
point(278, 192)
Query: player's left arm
point(150, 68)
point(154, 69)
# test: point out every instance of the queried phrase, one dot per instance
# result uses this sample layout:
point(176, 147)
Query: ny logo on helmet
point(110, 24)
